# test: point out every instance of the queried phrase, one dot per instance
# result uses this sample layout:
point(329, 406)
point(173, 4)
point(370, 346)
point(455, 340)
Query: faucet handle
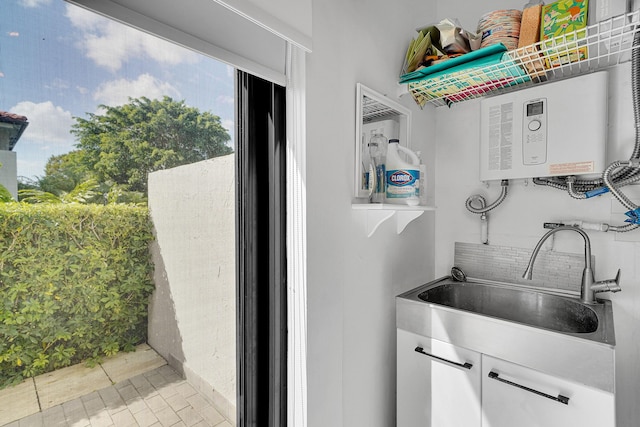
point(617, 279)
point(611, 285)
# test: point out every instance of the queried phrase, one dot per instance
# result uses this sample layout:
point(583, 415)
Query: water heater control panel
point(553, 129)
point(534, 132)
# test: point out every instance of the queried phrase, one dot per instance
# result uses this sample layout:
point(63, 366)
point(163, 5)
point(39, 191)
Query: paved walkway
point(130, 389)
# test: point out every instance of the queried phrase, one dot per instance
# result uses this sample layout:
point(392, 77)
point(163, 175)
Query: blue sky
point(59, 61)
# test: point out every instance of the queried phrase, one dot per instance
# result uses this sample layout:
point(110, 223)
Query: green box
point(564, 22)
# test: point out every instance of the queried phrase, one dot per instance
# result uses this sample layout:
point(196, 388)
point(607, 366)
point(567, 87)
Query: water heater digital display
point(535, 108)
point(554, 129)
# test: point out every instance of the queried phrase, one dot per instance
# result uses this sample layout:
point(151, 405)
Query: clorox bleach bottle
point(403, 179)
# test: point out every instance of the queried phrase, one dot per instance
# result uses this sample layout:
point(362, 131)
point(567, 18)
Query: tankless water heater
point(553, 129)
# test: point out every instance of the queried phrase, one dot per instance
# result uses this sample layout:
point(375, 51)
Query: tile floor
point(142, 390)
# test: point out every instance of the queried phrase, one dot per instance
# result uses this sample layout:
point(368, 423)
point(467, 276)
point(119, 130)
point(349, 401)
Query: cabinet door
point(514, 395)
point(438, 383)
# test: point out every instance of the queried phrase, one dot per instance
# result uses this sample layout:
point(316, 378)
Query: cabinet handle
point(560, 398)
point(465, 365)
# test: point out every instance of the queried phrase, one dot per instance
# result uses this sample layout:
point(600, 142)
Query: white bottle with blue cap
point(403, 178)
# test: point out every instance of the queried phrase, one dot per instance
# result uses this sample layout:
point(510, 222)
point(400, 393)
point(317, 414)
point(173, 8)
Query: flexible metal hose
point(560, 183)
point(613, 187)
point(483, 208)
point(633, 163)
point(635, 90)
point(615, 191)
point(623, 228)
point(477, 200)
point(570, 181)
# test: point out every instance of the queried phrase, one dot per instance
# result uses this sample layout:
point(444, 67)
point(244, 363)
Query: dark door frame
point(261, 253)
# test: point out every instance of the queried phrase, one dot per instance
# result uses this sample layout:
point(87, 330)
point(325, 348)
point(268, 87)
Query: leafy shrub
point(74, 284)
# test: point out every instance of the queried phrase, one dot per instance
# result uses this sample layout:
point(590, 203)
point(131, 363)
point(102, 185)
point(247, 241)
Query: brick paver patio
point(144, 391)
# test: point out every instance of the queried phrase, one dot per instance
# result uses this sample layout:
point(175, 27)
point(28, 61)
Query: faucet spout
point(528, 273)
point(586, 293)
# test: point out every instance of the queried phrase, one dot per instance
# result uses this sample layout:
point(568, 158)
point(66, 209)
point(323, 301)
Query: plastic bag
point(456, 40)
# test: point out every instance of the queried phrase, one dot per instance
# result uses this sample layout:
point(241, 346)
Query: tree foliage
point(5, 195)
point(125, 143)
point(65, 172)
point(84, 192)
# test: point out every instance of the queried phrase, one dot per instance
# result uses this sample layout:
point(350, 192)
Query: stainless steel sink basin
point(520, 305)
point(537, 309)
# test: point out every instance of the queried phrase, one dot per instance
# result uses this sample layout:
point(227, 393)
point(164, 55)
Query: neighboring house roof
point(13, 125)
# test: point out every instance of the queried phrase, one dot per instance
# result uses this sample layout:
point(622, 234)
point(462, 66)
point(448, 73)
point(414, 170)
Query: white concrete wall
point(192, 311)
point(352, 279)
point(9, 172)
point(518, 222)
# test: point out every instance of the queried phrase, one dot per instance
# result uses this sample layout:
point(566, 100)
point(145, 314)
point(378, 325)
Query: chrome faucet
point(589, 286)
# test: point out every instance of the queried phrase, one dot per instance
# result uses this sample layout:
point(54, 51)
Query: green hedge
point(74, 284)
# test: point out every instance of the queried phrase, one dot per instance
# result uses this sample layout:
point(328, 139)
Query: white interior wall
point(518, 221)
point(352, 279)
point(290, 19)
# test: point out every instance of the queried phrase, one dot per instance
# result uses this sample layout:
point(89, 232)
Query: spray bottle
point(377, 154)
point(403, 179)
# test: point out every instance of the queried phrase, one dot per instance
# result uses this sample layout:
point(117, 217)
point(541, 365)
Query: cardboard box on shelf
point(563, 25)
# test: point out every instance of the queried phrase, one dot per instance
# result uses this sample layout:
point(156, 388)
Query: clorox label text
point(401, 178)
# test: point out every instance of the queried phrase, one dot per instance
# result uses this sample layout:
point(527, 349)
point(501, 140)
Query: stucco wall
point(192, 311)
point(8, 172)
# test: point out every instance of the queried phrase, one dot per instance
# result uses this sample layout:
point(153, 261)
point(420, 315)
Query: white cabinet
point(438, 383)
point(442, 385)
point(515, 395)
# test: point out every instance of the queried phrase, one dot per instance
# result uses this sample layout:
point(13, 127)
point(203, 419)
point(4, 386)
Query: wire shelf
point(587, 50)
point(373, 110)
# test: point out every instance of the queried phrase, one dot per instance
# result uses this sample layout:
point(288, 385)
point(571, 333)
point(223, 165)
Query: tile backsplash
point(557, 270)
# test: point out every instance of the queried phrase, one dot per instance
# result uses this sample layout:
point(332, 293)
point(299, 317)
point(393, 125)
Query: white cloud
point(1, 74)
point(118, 92)
point(110, 44)
point(58, 84)
point(83, 19)
point(49, 125)
point(14, 34)
point(223, 99)
point(228, 125)
point(34, 3)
